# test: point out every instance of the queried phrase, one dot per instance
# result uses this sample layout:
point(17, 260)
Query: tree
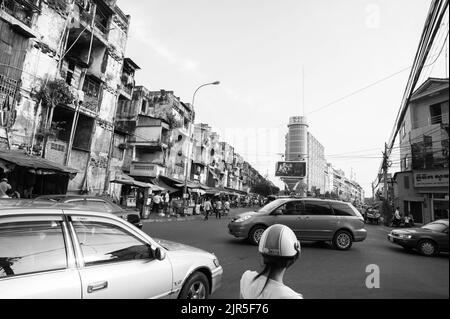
point(265, 189)
point(55, 93)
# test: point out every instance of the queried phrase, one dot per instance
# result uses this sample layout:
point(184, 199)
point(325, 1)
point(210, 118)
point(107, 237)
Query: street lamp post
point(189, 146)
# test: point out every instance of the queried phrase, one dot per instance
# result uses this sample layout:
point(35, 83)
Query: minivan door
point(292, 217)
point(319, 220)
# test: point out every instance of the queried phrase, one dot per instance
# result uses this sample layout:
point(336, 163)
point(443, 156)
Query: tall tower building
point(297, 139)
point(296, 146)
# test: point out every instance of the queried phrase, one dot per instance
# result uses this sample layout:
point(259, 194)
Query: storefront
point(135, 194)
point(422, 194)
point(32, 176)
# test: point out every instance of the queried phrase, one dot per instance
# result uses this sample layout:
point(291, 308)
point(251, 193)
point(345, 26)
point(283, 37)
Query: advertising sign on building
point(291, 169)
point(431, 179)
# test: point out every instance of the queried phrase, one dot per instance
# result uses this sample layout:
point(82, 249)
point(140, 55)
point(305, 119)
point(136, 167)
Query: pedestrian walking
point(218, 209)
point(227, 206)
point(166, 203)
point(280, 249)
point(207, 207)
point(156, 203)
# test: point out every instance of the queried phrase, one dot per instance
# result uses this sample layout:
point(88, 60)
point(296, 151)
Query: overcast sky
point(258, 48)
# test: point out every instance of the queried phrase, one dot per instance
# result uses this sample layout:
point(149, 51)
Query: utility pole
point(385, 169)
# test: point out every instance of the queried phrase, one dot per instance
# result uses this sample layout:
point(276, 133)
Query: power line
point(359, 90)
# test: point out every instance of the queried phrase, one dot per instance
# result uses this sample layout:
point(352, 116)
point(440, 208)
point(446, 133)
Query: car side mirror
point(160, 254)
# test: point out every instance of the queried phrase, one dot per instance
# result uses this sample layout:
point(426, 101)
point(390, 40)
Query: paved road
point(322, 272)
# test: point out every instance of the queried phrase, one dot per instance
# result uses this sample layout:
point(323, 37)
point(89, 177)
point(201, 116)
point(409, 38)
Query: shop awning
point(20, 158)
point(158, 182)
point(193, 185)
point(128, 180)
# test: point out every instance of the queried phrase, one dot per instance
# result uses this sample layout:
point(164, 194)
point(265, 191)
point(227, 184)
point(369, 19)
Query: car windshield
point(436, 226)
point(272, 205)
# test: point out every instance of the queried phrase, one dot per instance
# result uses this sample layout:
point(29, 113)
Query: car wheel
point(427, 248)
point(196, 287)
point(342, 240)
point(256, 233)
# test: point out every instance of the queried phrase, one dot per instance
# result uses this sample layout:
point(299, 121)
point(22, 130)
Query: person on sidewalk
point(227, 206)
point(157, 203)
point(166, 203)
point(218, 209)
point(280, 249)
point(207, 206)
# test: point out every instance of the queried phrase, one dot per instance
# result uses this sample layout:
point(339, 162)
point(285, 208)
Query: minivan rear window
point(341, 209)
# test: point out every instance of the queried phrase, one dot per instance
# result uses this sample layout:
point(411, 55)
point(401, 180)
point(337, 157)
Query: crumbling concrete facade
point(77, 48)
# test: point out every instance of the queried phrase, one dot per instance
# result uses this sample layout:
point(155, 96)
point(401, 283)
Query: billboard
point(291, 169)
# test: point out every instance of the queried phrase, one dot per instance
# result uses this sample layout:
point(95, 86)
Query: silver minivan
point(310, 219)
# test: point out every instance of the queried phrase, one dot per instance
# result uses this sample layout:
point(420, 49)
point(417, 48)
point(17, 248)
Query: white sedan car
point(59, 253)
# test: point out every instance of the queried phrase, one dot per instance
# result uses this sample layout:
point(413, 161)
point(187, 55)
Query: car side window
point(293, 208)
point(341, 209)
point(31, 247)
point(317, 208)
point(103, 243)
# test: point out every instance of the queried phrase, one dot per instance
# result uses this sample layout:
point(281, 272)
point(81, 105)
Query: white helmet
point(279, 240)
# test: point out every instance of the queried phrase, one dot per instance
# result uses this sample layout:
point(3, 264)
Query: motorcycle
point(373, 217)
point(404, 222)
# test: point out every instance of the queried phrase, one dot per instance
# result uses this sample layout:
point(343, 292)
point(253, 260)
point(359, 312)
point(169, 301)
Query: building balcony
point(141, 142)
point(147, 169)
point(91, 103)
point(22, 10)
point(8, 87)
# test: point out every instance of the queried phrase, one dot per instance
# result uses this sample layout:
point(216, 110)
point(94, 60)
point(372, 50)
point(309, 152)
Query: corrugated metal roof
point(21, 158)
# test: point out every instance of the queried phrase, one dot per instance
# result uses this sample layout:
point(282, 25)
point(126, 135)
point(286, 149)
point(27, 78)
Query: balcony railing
point(99, 21)
point(8, 86)
point(91, 103)
point(22, 10)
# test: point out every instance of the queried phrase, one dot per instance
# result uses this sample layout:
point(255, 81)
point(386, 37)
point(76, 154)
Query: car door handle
point(304, 217)
point(97, 286)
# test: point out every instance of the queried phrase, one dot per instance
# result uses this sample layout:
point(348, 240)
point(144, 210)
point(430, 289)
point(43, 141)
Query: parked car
point(429, 240)
point(71, 253)
point(97, 203)
point(310, 219)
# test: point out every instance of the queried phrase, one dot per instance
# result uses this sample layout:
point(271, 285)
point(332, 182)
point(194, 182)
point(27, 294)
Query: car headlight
point(404, 236)
point(216, 262)
point(242, 219)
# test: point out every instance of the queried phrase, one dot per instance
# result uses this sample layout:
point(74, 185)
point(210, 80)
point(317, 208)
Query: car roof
point(59, 209)
point(72, 197)
point(314, 199)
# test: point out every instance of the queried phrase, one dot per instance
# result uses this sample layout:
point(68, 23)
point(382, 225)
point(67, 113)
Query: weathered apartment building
point(155, 137)
point(345, 188)
point(63, 72)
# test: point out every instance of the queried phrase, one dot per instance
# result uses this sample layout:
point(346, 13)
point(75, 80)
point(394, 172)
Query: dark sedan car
point(96, 203)
point(429, 240)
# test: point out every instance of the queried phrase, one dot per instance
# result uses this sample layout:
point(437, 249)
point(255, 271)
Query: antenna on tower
point(303, 90)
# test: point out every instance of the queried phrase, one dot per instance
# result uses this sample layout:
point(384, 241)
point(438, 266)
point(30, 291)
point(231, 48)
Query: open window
point(83, 134)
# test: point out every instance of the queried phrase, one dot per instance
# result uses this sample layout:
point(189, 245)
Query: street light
point(190, 140)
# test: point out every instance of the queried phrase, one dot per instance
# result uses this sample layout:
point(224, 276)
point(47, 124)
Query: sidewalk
point(155, 218)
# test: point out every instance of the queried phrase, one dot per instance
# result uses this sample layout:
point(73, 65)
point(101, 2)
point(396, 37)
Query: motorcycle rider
point(280, 249)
